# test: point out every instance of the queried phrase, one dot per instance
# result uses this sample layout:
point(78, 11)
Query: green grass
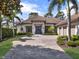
point(73, 52)
point(5, 46)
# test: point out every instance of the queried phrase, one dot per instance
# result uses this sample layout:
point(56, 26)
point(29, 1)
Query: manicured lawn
point(5, 46)
point(73, 52)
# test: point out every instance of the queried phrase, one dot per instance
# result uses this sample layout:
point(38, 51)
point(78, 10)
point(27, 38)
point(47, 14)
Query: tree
point(6, 9)
point(60, 15)
point(48, 15)
point(59, 4)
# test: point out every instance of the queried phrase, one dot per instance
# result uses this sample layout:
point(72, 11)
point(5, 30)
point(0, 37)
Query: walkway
point(41, 47)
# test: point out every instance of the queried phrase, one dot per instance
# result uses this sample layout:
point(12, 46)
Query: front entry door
point(38, 30)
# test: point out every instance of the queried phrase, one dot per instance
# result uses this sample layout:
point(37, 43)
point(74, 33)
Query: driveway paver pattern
point(40, 47)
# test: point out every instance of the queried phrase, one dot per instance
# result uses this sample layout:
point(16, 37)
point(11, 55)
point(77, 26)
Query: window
point(28, 28)
point(64, 27)
point(59, 27)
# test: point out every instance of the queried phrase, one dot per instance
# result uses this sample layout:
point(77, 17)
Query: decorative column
point(24, 29)
point(62, 31)
point(58, 31)
point(76, 29)
point(33, 29)
point(43, 28)
point(67, 30)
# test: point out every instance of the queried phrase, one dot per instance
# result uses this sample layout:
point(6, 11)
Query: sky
point(39, 6)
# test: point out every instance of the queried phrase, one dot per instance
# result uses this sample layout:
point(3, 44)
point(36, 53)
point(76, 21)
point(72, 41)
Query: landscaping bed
point(70, 47)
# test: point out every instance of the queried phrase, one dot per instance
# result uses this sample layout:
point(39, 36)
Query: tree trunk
point(0, 31)
point(69, 22)
point(7, 24)
point(13, 29)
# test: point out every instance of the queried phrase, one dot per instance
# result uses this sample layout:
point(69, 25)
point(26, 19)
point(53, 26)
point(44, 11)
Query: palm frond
point(75, 5)
point(51, 6)
point(18, 18)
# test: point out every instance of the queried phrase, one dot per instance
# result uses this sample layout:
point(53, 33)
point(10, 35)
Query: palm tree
point(60, 3)
point(6, 9)
point(48, 15)
point(60, 15)
point(11, 18)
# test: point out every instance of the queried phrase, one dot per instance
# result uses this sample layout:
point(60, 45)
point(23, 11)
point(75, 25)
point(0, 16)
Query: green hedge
point(71, 43)
point(75, 37)
point(7, 32)
point(61, 40)
point(27, 34)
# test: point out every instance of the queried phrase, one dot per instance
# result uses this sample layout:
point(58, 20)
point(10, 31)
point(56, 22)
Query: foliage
point(28, 34)
point(71, 43)
point(6, 32)
point(50, 30)
point(21, 33)
point(77, 43)
point(48, 15)
point(75, 37)
point(50, 33)
point(59, 4)
point(60, 15)
point(61, 40)
point(7, 7)
point(62, 37)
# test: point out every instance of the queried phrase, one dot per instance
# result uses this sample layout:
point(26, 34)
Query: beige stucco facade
point(64, 31)
point(37, 23)
point(33, 25)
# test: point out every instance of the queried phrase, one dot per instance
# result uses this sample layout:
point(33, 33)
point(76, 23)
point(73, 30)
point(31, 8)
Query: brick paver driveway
point(42, 47)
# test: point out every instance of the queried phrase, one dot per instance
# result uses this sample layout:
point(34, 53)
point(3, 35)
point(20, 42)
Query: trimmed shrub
point(21, 33)
point(50, 30)
point(28, 34)
point(50, 33)
point(6, 33)
point(61, 40)
point(75, 37)
point(77, 43)
point(71, 43)
point(62, 37)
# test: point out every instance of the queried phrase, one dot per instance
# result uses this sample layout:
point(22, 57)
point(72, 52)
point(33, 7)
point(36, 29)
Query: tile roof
point(52, 20)
point(74, 18)
point(40, 18)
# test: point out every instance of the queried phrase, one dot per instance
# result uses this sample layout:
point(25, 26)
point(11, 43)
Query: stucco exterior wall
point(77, 28)
point(38, 24)
point(65, 31)
point(22, 26)
point(60, 31)
point(49, 25)
point(72, 31)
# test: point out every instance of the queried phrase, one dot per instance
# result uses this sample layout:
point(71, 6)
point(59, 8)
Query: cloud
point(30, 7)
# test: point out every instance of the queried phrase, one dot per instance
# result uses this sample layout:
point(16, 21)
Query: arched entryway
point(38, 29)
